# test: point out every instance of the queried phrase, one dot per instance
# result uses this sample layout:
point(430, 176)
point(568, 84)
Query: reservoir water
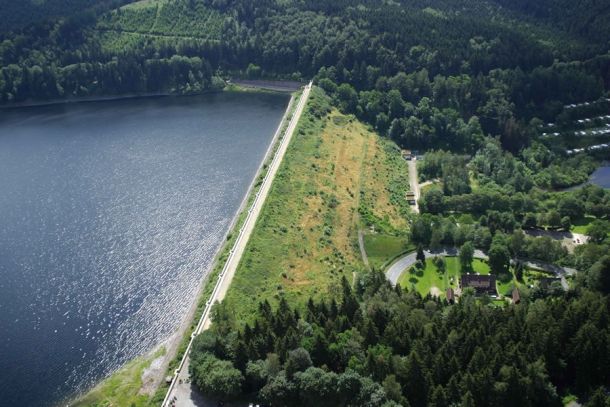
point(110, 214)
point(601, 177)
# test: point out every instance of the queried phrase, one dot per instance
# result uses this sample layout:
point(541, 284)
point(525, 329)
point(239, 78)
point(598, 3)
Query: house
point(406, 154)
point(482, 284)
point(516, 296)
point(450, 296)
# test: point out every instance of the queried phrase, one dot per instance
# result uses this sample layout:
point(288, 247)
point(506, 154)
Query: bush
point(215, 377)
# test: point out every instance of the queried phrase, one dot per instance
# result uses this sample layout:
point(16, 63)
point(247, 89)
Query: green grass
point(430, 277)
point(381, 248)
point(479, 266)
point(530, 278)
point(434, 185)
point(581, 225)
point(163, 21)
point(121, 388)
point(306, 237)
point(506, 288)
point(384, 186)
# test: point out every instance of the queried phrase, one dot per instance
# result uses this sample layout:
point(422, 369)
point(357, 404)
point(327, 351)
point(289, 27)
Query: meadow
point(306, 238)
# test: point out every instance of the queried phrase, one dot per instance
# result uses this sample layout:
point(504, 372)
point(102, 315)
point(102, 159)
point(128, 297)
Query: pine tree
point(421, 256)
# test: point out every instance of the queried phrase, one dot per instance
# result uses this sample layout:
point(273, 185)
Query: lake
point(601, 177)
point(111, 213)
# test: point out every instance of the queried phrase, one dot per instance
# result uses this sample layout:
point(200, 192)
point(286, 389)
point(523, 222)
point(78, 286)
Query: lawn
point(530, 278)
point(306, 238)
point(434, 185)
point(581, 225)
point(121, 388)
point(506, 288)
point(424, 281)
point(430, 277)
point(381, 248)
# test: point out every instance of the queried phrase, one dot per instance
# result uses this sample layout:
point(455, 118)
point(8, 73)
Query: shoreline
point(91, 99)
point(603, 164)
point(153, 375)
point(236, 85)
point(172, 343)
point(284, 133)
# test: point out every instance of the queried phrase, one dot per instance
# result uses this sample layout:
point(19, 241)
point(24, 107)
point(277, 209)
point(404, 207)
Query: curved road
point(396, 269)
point(402, 264)
point(181, 393)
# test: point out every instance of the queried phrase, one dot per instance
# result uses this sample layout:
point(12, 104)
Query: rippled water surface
point(110, 213)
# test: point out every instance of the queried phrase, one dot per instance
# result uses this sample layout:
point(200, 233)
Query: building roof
point(481, 283)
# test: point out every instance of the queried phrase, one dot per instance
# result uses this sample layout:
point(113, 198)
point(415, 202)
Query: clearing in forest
point(161, 20)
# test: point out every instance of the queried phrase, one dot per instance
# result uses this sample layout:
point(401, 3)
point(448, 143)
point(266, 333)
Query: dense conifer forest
point(379, 346)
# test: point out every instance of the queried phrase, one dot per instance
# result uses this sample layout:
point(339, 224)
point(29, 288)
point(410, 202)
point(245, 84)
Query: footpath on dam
point(181, 392)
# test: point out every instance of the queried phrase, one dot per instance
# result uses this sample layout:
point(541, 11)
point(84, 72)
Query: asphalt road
point(181, 392)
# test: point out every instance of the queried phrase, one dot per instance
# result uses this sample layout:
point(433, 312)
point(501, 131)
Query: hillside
point(19, 14)
point(589, 19)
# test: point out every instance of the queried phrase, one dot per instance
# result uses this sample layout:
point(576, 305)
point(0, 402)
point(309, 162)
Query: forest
point(376, 345)
point(19, 14)
point(427, 74)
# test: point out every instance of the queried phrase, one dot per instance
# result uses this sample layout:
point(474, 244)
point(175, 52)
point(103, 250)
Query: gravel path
point(365, 258)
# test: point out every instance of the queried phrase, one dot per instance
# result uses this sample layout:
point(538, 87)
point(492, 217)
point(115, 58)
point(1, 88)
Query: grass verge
point(120, 389)
point(381, 248)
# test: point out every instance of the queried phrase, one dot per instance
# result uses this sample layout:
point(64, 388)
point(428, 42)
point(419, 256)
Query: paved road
point(183, 392)
point(396, 269)
point(414, 181)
